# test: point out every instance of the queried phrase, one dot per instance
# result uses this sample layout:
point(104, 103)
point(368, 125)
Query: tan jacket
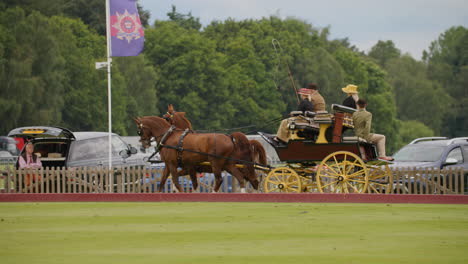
point(318, 101)
point(362, 124)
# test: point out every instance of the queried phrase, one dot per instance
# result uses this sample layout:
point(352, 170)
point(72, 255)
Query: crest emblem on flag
point(126, 32)
point(126, 26)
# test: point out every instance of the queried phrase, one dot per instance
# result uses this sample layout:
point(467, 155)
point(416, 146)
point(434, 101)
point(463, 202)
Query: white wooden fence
point(145, 180)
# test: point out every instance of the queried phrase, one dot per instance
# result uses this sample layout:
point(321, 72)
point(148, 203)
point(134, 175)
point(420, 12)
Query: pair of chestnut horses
point(200, 152)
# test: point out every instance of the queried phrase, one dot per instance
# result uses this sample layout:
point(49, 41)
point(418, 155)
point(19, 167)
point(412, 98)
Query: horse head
point(169, 115)
point(151, 127)
point(144, 132)
point(177, 119)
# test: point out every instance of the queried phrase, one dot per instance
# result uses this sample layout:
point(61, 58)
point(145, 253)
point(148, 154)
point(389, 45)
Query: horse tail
point(258, 151)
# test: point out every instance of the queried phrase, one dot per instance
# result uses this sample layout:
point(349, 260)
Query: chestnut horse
point(178, 119)
point(217, 149)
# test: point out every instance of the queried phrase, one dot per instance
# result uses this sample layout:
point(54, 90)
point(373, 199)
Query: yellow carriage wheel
point(342, 172)
point(380, 178)
point(282, 179)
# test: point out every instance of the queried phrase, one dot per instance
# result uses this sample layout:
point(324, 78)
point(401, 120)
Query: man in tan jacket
point(362, 126)
point(316, 98)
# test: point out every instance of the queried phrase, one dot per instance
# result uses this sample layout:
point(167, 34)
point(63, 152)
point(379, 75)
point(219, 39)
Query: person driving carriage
point(316, 98)
point(304, 105)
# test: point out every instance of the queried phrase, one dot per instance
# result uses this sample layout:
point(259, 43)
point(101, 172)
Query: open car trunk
point(51, 144)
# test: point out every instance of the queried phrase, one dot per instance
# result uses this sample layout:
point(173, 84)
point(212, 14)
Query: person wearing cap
point(304, 105)
point(316, 98)
point(352, 98)
point(362, 120)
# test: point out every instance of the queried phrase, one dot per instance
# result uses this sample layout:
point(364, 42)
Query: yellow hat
point(350, 88)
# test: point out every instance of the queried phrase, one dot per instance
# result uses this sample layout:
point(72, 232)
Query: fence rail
point(430, 181)
point(145, 180)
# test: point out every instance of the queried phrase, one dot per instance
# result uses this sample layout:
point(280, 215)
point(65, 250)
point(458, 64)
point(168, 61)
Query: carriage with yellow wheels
point(319, 158)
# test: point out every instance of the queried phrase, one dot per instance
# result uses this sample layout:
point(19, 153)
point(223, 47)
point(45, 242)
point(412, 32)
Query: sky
point(411, 24)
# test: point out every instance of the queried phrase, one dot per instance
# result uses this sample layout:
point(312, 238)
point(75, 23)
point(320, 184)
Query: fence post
point(462, 182)
point(450, 179)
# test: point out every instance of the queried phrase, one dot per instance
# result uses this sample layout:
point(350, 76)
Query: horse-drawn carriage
point(318, 158)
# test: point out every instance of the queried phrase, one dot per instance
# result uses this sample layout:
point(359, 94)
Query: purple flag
point(127, 35)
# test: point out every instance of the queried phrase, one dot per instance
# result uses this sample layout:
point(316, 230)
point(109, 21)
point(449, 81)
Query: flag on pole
point(127, 35)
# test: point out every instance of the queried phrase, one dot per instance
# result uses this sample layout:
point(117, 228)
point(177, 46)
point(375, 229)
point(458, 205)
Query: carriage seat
point(342, 108)
point(323, 117)
point(300, 113)
point(303, 125)
point(353, 140)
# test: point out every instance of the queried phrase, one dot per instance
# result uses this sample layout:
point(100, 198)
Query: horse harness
point(180, 148)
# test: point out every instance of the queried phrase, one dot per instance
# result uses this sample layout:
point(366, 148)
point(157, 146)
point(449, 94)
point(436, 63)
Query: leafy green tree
point(139, 90)
point(190, 73)
point(447, 61)
point(412, 129)
point(417, 97)
point(91, 12)
point(32, 70)
point(384, 51)
point(184, 20)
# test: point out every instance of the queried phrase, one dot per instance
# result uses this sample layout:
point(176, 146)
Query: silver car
point(60, 147)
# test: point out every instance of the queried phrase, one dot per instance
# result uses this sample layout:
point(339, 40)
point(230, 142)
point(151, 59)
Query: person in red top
point(28, 160)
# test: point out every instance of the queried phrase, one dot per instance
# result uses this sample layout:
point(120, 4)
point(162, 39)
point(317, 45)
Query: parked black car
point(434, 152)
point(60, 147)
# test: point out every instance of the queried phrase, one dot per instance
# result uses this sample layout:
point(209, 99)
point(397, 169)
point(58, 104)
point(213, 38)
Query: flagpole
point(109, 93)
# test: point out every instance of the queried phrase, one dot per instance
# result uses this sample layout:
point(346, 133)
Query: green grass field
point(232, 233)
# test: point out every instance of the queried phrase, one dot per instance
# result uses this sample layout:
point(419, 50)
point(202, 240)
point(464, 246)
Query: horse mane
point(154, 121)
point(180, 121)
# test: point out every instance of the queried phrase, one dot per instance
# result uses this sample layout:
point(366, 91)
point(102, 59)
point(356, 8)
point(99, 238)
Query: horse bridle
point(162, 136)
point(141, 133)
point(169, 117)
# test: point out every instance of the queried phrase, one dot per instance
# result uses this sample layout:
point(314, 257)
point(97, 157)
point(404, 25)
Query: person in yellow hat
point(352, 98)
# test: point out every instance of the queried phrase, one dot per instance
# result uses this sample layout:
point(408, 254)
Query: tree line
point(225, 75)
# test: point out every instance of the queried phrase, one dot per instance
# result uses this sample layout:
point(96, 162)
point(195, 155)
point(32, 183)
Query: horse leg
point(163, 179)
point(175, 178)
point(193, 177)
point(238, 174)
point(250, 175)
point(218, 178)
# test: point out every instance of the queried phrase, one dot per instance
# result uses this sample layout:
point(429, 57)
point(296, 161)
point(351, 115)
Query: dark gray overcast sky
point(411, 24)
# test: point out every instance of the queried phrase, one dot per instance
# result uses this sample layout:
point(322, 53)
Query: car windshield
point(419, 153)
point(96, 148)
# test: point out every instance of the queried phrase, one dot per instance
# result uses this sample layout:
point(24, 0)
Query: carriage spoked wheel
point(342, 172)
point(380, 178)
point(282, 179)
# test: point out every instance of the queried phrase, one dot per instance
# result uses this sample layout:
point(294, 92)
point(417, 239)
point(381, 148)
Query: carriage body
point(325, 160)
point(304, 151)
